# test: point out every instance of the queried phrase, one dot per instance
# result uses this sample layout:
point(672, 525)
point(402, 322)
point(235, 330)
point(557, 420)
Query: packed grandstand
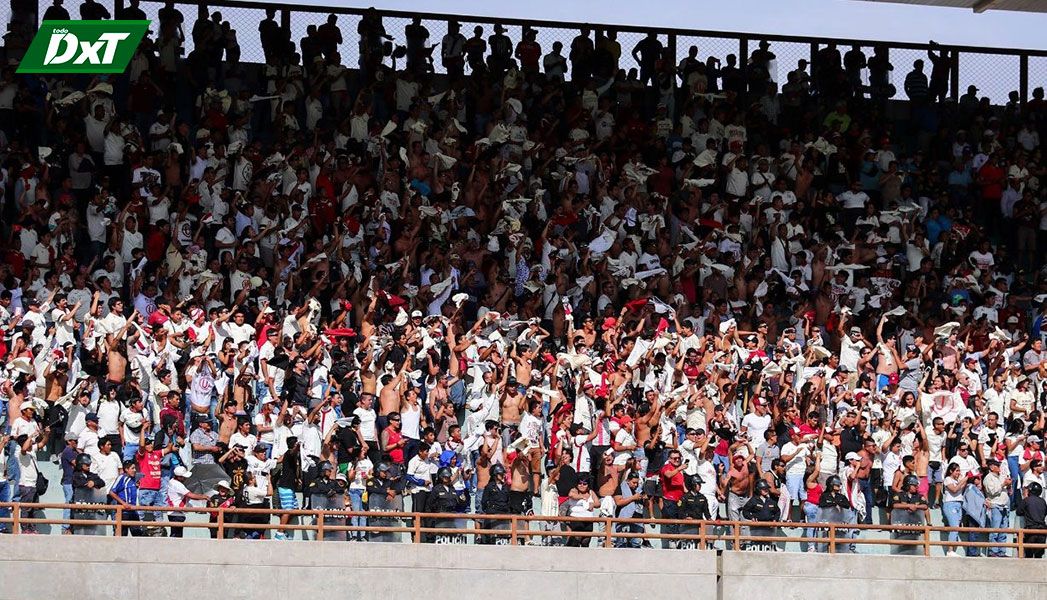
point(476, 275)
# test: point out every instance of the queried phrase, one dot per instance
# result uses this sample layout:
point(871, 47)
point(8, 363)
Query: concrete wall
point(857, 577)
point(81, 568)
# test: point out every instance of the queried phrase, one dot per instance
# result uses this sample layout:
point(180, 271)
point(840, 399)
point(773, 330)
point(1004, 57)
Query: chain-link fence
point(995, 74)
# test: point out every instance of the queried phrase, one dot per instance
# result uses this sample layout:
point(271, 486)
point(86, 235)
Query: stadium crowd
point(538, 282)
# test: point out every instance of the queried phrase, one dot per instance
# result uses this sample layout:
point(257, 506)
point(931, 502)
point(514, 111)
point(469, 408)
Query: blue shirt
point(126, 488)
point(68, 458)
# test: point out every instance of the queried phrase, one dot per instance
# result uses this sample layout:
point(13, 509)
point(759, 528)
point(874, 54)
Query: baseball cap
point(856, 330)
point(853, 456)
point(416, 314)
point(181, 471)
point(91, 417)
point(1012, 319)
point(1035, 439)
point(911, 348)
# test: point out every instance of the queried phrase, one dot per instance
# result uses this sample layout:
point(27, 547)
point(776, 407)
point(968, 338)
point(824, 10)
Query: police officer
point(495, 501)
point(835, 507)
point(325, 494)
point(1033, 509)
point(383, 495)
point(908, 507)
point(762, 507)
point(445, 499)
point(88, 488)
point(693, 506)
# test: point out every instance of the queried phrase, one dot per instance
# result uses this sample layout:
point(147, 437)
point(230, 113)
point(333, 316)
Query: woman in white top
point(582, 504)
point(357, 476)
point(952, 502)
point(411, 421)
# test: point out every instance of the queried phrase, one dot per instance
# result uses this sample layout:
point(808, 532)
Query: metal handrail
point(621, 28)
point(733, 531)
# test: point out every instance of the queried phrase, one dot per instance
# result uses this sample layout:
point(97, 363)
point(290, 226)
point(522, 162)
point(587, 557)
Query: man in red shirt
point(672, 491)
point(156, 243)
point(149, 461)
point(528, 52)
point(991, 177)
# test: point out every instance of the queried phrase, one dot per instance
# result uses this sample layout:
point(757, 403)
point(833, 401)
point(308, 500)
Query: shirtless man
point(888, 359)
point(520, 485)
point(737, 486)
point(513, 405)
point(609, 476)
point(483, 471)
point(389, 396)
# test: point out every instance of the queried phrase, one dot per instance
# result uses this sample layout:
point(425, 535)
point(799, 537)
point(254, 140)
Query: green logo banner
point(83, 47)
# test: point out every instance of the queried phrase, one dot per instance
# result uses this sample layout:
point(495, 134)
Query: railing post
point(220, 534)
point(118, 529)
point(16, 519)
point(926, 540)
point(702, 541)
point(832, 538)
point(736, 533)
point(1023, 77)
point(512, 530)
point(1020, 539)
point(608, 530)
point(416, 521)
point(319, 526)
point(954, 75)
point(743, 64)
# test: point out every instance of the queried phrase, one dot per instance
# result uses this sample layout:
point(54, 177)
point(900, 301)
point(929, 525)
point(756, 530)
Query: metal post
point(319, 526)
point(926, 540)
point(512, 530)
point(671, 44)
point(221, 524)
point(954, 75)
point(1023, 77)
point(702, 541)
point(608, 529)
point(16, 516)
point(416, 520)
point(118, 529)
point(285, 20)
point(743, 64)
point(736, 532)
point(832, 538)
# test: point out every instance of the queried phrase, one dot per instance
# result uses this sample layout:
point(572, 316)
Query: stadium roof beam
point(980, 6)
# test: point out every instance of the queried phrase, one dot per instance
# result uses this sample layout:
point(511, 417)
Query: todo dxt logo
point(91, 47)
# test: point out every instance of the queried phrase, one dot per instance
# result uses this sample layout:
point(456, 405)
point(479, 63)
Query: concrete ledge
point(80, 568)
point(856, 577)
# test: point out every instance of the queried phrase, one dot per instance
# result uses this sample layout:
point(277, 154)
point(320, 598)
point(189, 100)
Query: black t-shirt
point(237, 470)
point(568, 479)
point(289, 472)
point(348, 443)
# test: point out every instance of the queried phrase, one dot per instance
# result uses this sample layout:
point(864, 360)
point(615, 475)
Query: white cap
point(181, 471)
point(853, 456)
point(416, 314)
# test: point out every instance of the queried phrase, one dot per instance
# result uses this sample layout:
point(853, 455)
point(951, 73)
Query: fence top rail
point(492, 517)
point(618, 27)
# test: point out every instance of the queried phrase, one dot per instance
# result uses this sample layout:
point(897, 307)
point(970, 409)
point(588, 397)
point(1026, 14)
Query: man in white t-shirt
point(756, 422)
point(794, 455)
point(178, 495)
